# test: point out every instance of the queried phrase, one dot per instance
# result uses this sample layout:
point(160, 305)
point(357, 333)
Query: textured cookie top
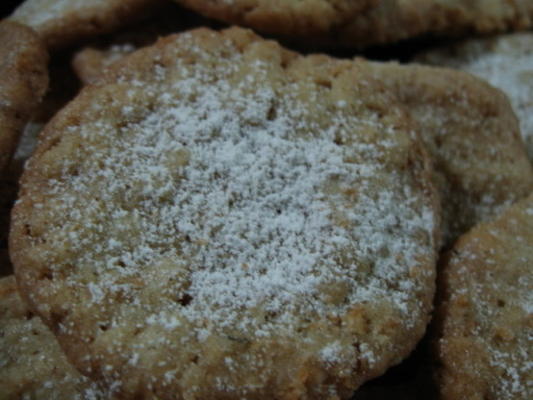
point(286, 17)
point(506, 62)
point(23, 68)
point(62, 22)
point(487, 309)
point(32, 365)
point(240, 221)
point(471, 132)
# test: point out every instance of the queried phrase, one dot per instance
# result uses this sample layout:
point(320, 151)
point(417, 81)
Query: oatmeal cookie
point(485, 314)
point(220, 218)
point(471, 132)
point(349, 24)
point(505, 61)
point(23, 68)
point(468, 126)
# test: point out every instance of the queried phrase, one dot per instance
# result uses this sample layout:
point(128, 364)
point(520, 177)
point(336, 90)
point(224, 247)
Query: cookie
point(23, 68)
point(471, 132)
point(378, 23)
point(484, 339)
point(32, 363)
point(64, 22)
point(219, 217)
point(505, 61)
point(303, 18)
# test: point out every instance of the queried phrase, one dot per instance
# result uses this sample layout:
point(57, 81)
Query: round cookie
point(487, 58)
point(485, 315)
point(349, 24)
point(63, 22)
point(23, 68)
point(302, 18)
point(473, 137)
point(221, 218)
point(32, 365)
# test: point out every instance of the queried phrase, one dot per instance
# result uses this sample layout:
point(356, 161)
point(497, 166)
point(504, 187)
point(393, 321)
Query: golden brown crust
point(485, 314)
point(33, 365)
point(123, 304)
point(23, 68)
point(472, 134)
point(63, 22)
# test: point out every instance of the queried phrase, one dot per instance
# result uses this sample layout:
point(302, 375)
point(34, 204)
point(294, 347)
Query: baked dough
point(219, 217)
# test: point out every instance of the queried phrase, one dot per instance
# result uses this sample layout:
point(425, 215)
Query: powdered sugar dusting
point(512, 368)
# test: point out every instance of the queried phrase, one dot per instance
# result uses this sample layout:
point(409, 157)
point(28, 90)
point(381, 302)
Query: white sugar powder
point(255, 205)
